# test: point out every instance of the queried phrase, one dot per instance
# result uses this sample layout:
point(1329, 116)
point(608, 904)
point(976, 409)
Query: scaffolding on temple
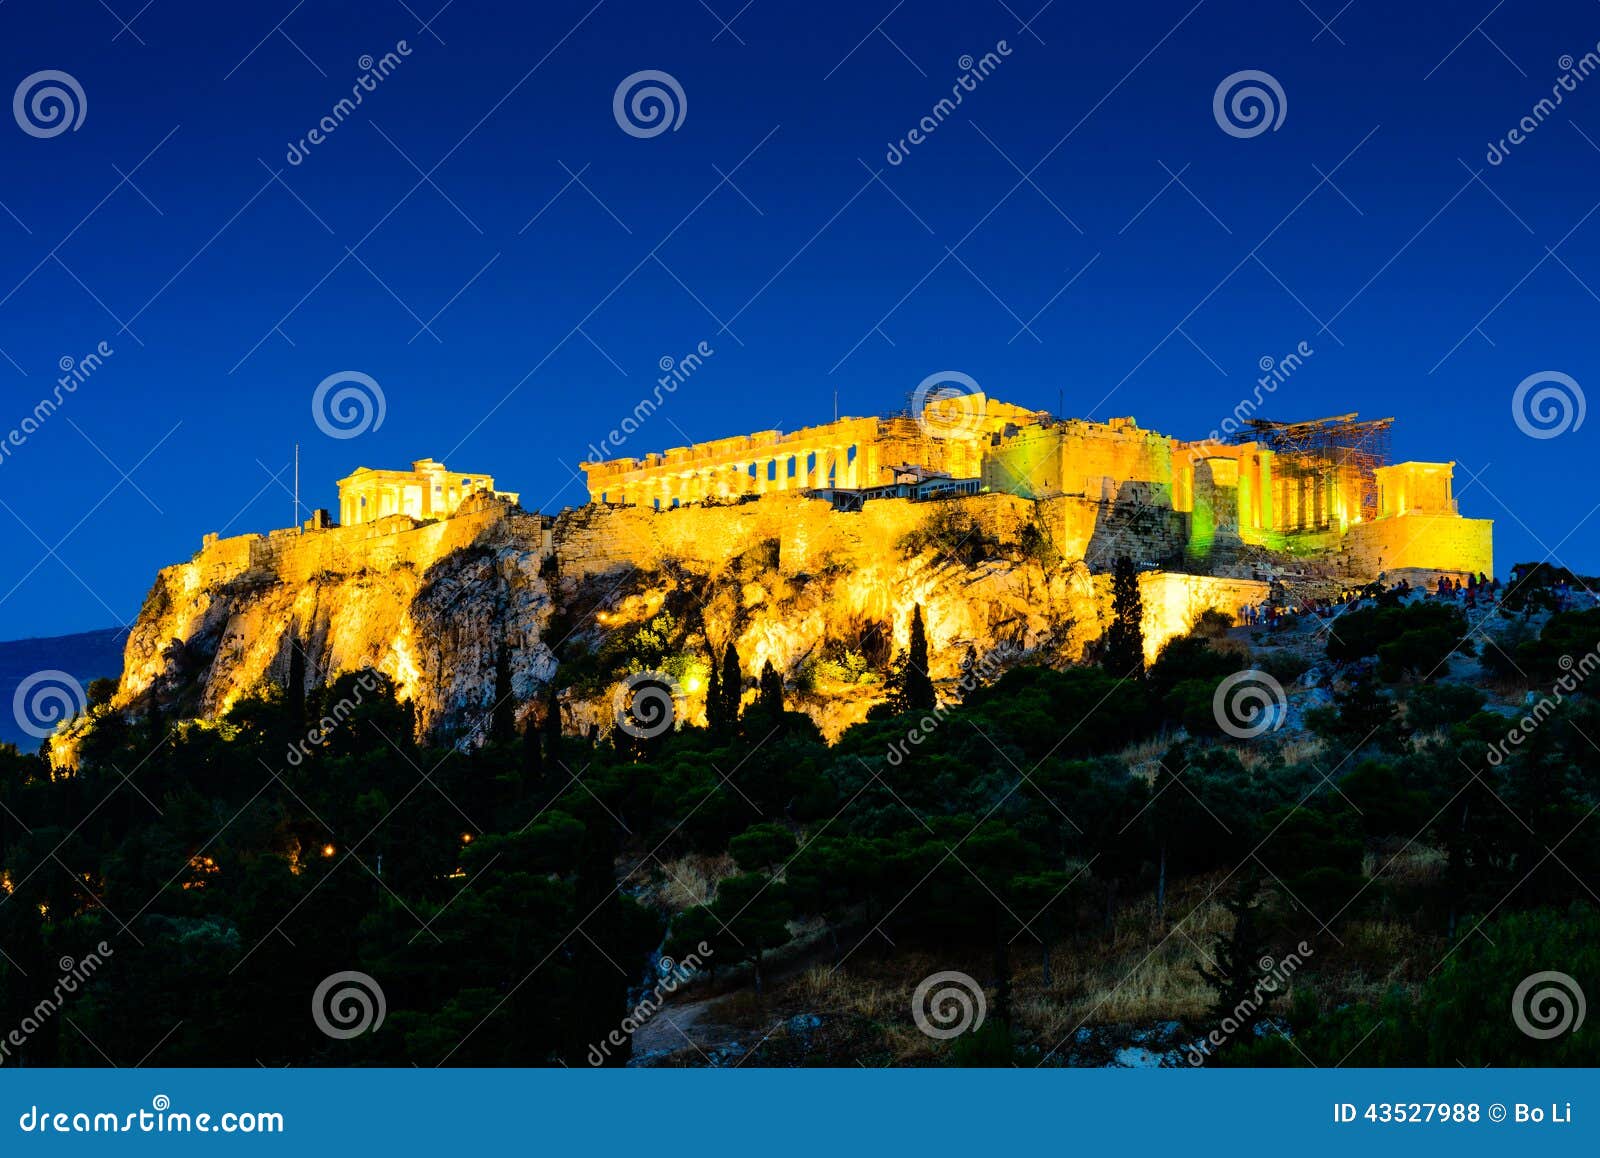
point(1343, 444)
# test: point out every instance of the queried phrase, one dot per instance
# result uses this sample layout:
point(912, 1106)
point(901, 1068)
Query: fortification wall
point(295, 555)
point(1082, 458)
point(1173, 603)
point(810, 534)
point(1140, 528)
point(1424, 542)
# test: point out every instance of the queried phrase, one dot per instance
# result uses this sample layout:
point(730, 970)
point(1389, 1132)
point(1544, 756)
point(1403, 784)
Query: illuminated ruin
point(1320, 494)
point(437, 579)
point(428, 490)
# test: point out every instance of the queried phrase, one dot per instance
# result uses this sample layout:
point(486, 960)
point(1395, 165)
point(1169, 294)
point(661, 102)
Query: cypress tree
point(919, 696)
point(770, 700)
point(295, 692)
point(154, 722)
point(532, 759)
point(732, 686)
point(714, 704)
point(503, 717)
point(552, 724)
point(1123, 655)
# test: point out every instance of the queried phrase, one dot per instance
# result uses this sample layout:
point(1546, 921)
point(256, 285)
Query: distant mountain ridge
point(89, 655)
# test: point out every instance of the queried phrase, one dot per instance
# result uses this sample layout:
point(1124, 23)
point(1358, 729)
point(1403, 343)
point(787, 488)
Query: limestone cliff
point(824, 596)
point(430, 605)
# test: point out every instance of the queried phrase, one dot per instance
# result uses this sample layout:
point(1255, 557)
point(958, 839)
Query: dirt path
point(687, 1025)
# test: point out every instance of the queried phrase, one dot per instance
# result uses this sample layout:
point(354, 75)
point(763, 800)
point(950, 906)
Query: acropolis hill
point(807, 549)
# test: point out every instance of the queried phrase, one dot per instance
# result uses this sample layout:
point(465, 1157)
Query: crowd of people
point(1277, 611)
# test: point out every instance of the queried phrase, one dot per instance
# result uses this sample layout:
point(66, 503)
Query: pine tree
point(1237, 958)
point(1123, 655)
point(919, 695)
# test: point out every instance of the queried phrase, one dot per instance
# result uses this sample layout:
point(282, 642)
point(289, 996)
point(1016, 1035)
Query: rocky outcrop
point(826, 597)
point(432, 606)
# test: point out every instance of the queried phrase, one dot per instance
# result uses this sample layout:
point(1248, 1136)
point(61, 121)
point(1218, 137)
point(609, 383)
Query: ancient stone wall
point(1426, 542)
point(1100, 532)
point(1173, 603)
point(1077, 457)
point(294, 555)
point(809, 533)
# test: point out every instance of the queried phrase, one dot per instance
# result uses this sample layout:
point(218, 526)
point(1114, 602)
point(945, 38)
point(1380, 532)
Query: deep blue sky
point(801, 260)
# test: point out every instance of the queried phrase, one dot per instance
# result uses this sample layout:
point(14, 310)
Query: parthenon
point(849, 453)
point(1322, 490)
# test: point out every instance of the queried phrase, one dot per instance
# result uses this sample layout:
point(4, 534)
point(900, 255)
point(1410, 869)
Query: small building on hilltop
point(429, 490)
